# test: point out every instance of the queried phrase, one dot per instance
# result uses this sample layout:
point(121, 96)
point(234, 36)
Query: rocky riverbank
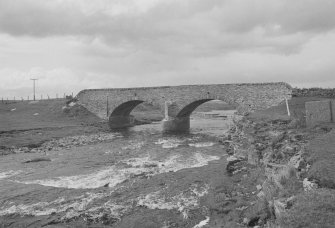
point(276, 155)
point(63, 143)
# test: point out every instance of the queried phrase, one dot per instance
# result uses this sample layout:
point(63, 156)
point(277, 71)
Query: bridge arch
point(188, 109)
point(120, 116)
point(125, 108)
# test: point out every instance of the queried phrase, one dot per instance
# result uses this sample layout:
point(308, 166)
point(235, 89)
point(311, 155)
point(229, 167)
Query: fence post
point(48, 96)
point(287, 107)
point(107, 106)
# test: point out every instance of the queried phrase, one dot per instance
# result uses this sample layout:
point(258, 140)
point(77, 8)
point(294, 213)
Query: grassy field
point(32, 123)
point(296, 106)
point(41, 114)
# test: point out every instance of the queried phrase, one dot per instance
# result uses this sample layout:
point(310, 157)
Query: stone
point(279, 207)
point(297, 161)
point(261, 195)
point(294, 124)
point(37, 160)
point(309, 185)
point(233, 165)
point(253, 157)
point(246, 221)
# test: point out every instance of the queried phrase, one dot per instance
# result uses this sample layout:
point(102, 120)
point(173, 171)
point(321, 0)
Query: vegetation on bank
point(298, 162)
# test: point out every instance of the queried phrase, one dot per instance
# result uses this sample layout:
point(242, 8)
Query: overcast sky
point(72, 45)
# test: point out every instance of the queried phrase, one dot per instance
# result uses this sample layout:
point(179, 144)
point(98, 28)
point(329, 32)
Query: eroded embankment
point(295, 179)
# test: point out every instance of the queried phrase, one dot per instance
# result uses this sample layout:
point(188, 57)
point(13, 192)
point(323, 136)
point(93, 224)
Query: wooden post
point(287, 107)
point(107, 111)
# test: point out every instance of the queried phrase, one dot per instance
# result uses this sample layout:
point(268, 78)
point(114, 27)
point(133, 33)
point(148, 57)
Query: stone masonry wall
point(248, 97)
point(320, 112)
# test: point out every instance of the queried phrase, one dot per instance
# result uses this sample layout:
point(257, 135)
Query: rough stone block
point(332, 106)
point(318, 112)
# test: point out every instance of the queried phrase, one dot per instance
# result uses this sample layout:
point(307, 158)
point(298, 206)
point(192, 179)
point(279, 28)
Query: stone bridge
point(178, 102)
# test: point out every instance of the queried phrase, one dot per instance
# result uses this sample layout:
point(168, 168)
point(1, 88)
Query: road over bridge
point(178, 102)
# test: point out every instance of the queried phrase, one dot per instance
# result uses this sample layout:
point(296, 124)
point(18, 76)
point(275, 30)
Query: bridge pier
point(116, 122)
point(176, 124)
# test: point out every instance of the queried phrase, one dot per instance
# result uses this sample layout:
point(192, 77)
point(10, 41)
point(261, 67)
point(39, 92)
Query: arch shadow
point(120, 116)
point(188, 109)
point(125, 108)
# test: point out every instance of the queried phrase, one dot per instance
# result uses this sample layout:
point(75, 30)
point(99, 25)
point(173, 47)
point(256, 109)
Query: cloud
point(189, 26)
point(76, 44)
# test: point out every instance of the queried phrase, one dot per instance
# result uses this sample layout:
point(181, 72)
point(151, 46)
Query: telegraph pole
point(34, 79)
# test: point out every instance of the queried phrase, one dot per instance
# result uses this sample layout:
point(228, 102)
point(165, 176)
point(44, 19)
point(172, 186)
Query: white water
point(72, 206)
point(9, 173)
point(203, 144)
point(169, 143)
point(115, 175)
point(183, 201)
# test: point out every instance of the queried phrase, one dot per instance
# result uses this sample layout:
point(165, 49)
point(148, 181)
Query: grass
point(22, 115)
point(20, 127)
point(311, 209)
point(314, 208)
point(321, 155)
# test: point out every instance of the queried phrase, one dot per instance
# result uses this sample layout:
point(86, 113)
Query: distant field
point(296, 106)
point(41, 114)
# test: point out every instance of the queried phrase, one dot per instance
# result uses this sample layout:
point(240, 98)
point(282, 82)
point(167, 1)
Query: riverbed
point(133, 178)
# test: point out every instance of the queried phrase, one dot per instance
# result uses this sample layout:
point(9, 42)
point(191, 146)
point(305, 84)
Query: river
point(137, 178)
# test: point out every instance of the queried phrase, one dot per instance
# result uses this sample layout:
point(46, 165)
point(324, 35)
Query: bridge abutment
point(173, 123)
point(116, 122)
point(176, 124)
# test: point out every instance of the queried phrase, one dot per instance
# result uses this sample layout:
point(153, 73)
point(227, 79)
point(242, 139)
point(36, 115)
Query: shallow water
point(113, 178)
